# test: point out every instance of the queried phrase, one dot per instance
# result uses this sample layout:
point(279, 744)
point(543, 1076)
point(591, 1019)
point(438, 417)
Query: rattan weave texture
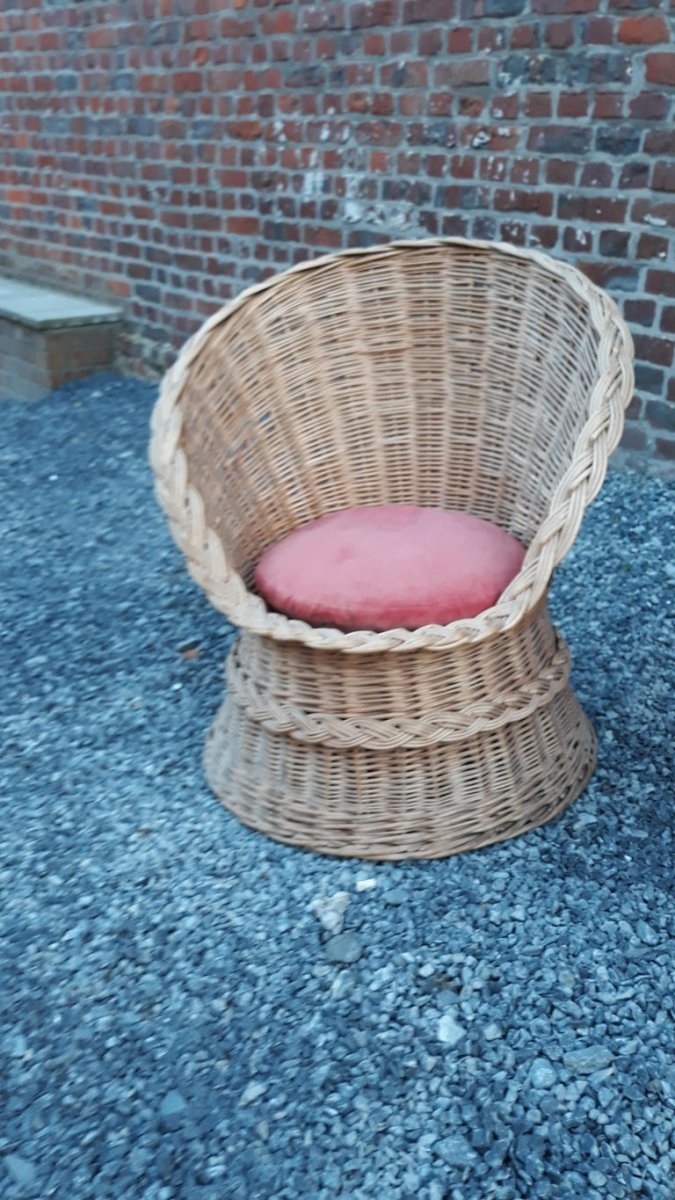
point(465, 375)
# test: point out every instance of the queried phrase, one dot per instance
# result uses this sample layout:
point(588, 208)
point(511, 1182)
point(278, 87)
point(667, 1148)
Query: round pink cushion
point(388, 567)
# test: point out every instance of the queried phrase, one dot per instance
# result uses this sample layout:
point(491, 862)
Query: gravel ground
point(181, 1020)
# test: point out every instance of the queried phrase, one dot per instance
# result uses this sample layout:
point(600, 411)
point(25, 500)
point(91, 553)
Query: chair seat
point(389, 567)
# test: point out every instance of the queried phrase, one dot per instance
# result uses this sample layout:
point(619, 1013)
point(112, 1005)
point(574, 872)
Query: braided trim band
point(388, 733)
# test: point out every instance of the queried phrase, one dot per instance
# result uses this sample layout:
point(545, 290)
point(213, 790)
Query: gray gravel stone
point(20, 1169)
point(542, 1074)
point(450, 1032)
point(456, 1151)
point(343, 948)
point(253, 1092)
point(587, 1060)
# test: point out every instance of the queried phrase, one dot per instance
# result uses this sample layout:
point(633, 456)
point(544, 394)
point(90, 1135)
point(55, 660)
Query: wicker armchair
point(450, 373)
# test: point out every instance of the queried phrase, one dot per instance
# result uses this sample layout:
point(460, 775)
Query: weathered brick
point(660, 141)
point(614, 276)
point(634, 175)
point(634, 439)
point(665, 448)
point(460, 40)
point(598, 31)
point(663, 177)
point(500, 8)
point(572, 206)
point(613, 243)
point(644, 31)
point(378, 12)
point(608, 106)
point(618, 140)
point(596, 174)
point(428, 10)
point(555, 7)
point(660, 69)
point(573, 104)
point(650, 245)
point(559, 139)
point(560, 34)
point(640, 312)
point(524, 37)
point(668, 319)
point(661, 283)
point(661, 415)
point(649, 106)
point(654, 349)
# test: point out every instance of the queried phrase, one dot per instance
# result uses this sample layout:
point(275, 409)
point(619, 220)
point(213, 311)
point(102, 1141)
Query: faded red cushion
point(389, 567)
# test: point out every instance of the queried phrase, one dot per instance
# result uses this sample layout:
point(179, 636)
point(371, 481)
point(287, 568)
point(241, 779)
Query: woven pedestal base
point(400, 756)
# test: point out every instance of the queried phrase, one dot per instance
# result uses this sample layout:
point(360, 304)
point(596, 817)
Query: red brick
point(614, 276)
point(524, 170)
point(538, 104)
point(490, 39)
point(640, 312)
point(375, 44)
point(545, 236)
point(462, 166)
point(378, 12)
point(471, 106)
point(513, 200)
point(471, 72)
point(560, 34)
point(596, 174)
point(608, 106)
point(654, 349)
point(661, 69)
point(665, 448)
point(644, 31)
point(668, 320)
point(572, 206)
point(243, 226)
point(649, 106)
point(598, 31)
point(660, 141)
point(504, 108)
point(555, 7)
point(652, 212)
point(524, 37)
point(559, 170)
point(663, 177)
point(650, 245)
point(661, 283)
point(187, 81)
point(430, 41)
point(660, 414)
point(634, 439)
point(573, 104)
point(440, 104)
point(428, 10)
point(577, 241)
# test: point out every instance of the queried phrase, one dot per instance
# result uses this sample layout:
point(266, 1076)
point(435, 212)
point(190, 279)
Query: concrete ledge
point(48, 337)
point(43, 308)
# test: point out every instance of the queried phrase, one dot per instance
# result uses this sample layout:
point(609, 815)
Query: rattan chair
point(458, 374)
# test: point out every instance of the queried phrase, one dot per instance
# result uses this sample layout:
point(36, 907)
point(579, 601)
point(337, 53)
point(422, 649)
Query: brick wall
point(166, 153)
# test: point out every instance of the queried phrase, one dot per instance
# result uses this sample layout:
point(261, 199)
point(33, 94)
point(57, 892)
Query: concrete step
point(48, 337)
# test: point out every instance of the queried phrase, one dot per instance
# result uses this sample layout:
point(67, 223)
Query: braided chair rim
point(206, 558)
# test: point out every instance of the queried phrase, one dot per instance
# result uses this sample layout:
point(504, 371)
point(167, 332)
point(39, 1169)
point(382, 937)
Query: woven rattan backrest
point(460, 374)
point(450, 377)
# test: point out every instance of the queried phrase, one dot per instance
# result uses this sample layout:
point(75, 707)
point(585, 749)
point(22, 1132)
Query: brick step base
point(48, 337)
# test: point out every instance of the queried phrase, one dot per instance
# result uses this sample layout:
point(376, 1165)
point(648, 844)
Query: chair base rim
point(538, 792)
